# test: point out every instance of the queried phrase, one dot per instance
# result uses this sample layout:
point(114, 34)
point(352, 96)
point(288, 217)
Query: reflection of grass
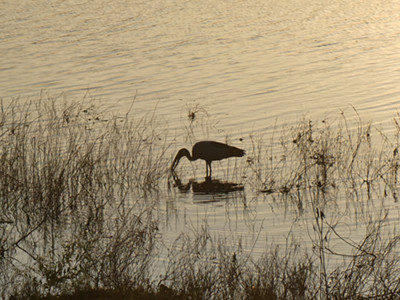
point(79, 215)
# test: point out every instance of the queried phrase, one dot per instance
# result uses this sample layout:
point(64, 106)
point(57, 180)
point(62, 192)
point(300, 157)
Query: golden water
point(246, 65)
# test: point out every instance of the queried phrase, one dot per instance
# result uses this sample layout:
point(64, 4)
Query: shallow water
point(239, 66)
point(247, 62)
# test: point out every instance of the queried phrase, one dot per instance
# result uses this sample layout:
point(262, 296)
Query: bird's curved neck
point(190, 157)
point(185, 152)
point(181, 153)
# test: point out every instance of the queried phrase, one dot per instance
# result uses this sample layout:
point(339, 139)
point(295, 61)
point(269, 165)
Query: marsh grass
point(203, 266)
point(80, 194)
point(72, 190)
point(321, 159)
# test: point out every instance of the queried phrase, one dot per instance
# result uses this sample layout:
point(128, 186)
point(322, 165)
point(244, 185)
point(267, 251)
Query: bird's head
point(179, 155)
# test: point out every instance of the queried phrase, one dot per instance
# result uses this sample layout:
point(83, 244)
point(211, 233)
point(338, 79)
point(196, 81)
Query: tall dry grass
point(344, 155)
point(72, 187)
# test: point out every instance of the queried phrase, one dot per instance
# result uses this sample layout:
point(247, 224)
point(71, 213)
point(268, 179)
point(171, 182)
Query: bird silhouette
point(208, 151)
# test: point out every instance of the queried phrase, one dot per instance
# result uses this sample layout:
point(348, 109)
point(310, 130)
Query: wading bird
point(208, 151)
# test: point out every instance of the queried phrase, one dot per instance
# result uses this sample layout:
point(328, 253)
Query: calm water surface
point(248, 64)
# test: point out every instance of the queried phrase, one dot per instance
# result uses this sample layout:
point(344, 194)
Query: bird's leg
point(208, 169)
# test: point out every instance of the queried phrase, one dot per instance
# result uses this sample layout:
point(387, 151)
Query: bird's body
point(208, 151)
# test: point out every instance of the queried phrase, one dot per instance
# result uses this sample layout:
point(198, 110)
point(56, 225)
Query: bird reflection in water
point(208, 186)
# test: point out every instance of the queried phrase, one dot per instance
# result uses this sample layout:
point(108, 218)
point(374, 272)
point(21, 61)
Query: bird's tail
point(237, 152)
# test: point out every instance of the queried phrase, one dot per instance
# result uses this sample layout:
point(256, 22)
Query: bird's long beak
point(178, 157)
point(174, 163)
